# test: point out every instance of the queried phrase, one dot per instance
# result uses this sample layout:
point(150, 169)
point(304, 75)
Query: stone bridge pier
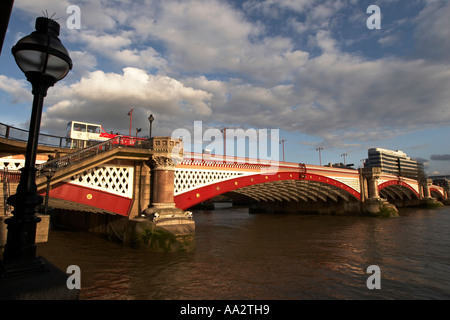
point(161, 226)
point(427, 199)
point(174, 227)
point(373, 203)
point(426, 184)
point(167, 153)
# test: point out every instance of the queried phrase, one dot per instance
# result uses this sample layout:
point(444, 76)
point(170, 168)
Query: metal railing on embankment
point(7, 175)
point(8, 179)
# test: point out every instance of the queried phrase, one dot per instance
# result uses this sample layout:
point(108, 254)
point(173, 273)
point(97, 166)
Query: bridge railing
point(206, 158)
point(89, 152)
point(266, 166)
point(13, 133)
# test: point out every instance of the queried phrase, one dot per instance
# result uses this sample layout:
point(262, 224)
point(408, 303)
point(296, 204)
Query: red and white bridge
point(201, 177)
point(113, 178)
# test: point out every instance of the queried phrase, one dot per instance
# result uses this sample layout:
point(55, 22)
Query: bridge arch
point(280, 186)
point(437, 193)
point(397, 189)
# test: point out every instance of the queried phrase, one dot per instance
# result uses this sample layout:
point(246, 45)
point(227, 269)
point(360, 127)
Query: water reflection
point(243, 256)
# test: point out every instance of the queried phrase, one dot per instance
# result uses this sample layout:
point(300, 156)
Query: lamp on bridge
point(150, 119)
point(45, 61)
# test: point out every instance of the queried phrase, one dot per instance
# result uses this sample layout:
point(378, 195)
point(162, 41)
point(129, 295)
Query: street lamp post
point(44, 60)
point(282, 142)
point(320, 155)
point(344, 155)
point(224, 131)
point(150, 119)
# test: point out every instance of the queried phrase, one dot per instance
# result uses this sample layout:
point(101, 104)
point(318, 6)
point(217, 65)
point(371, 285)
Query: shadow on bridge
point(73, 163)
point(77, 162)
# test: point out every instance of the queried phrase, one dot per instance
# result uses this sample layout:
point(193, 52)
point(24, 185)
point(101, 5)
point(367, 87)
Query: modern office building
point(395, 162)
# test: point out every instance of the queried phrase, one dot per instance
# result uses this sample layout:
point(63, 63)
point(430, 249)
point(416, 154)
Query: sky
point(315, 70)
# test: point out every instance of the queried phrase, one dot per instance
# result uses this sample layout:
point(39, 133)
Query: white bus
point(82, 135)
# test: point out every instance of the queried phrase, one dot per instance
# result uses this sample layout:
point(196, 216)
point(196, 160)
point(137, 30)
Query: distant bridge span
point(199, 178)
point(202, 177)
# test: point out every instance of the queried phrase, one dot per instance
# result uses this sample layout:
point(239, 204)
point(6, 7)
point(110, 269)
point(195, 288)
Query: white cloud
point(388, 40)
point(105, 43)
point(20, 90)
point(272, 7)
point(432, 31)
point(36, 8)
point(106, 98)
point(375, 96)
point(146, 59)
point(202, 35)
point(83, 62)
point(339, 97)
point(212, 36)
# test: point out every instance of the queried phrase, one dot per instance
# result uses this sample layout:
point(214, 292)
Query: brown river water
point(242, 256)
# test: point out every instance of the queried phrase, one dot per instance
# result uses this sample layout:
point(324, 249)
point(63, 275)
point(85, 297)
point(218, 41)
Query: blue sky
point(311, 69)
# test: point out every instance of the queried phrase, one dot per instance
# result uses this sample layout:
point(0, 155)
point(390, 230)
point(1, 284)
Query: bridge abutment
point(427, 200)
point(165, 236)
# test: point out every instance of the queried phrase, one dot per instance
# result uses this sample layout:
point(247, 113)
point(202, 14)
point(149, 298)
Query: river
point(278, 257)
